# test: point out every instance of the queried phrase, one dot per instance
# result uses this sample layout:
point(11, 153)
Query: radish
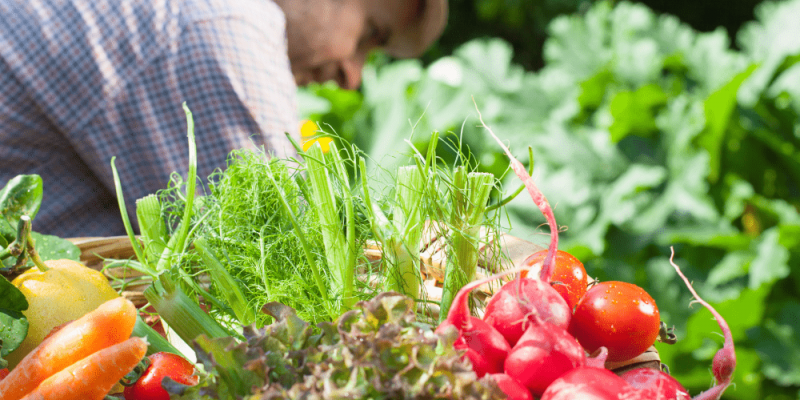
point(587, 383)
point(540, 201)
point(724, 362)
point(598, 358)
point(485, 347)
point(647, 384)
point(543, 353)
point(514, 306)
point(513, 389)
point(511, 308)
point(654, 384)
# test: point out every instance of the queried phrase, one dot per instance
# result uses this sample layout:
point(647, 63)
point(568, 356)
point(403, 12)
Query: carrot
point(109, 324)
point(92, 377)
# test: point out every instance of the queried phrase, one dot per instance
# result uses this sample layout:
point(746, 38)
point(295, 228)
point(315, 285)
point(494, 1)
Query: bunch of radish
point(537, 330)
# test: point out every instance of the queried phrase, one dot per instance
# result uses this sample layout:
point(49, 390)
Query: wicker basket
point(94, 250)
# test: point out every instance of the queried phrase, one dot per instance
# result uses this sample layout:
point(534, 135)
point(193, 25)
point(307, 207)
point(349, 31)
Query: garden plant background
point(647, 132)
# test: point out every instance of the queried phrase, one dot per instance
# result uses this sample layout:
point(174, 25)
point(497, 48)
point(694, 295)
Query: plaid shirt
point(84, 80)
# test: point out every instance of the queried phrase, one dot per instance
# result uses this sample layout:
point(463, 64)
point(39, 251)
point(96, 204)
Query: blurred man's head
point(330, 39)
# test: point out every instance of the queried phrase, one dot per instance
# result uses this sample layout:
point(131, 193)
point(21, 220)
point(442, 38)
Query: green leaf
point(10, 297)
point(593, 90)
point(55, 248)
point(741, 314)
point(634, 112)
point(13, 325)
point(768, 40)
point(228, 286)
point(13, 329)
point(227, 358)
point(631, 192)
point(22, 195)
point(733, 265)
point(719, 107)
point(778, 342)
point(771, 261)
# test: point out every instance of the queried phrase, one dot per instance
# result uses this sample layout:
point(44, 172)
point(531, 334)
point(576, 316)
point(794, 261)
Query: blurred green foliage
point(523, 23)
point(648, 134)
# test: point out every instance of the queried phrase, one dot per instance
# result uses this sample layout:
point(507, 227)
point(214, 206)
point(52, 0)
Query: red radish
point(538, 198)
point(654, 384)
point(587, 383)
point(569, 276)
point(724, 362)
point(486, 347)
point(518, 301)
point(480, 365)
point(543, 353)
point(598, 358)
point(619, 316)
point(513, 389)
point(513, 308)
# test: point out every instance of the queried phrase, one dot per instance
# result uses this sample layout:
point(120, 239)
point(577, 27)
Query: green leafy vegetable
point(375, 351)
point(13, 325)
point(648, 134)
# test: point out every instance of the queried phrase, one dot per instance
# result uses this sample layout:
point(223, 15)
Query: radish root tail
point(537, 197)
point(724, 361)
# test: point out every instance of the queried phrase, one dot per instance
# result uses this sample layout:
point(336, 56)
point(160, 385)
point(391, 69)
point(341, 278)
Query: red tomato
point(148, 386)
point(618, 315)
point(3, 373)
point(569, 277)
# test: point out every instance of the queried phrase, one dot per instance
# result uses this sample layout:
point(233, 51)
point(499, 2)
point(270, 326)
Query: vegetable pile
point(528, 334)
point(264, 281)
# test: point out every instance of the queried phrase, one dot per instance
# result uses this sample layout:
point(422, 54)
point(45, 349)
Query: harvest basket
point(96, 250)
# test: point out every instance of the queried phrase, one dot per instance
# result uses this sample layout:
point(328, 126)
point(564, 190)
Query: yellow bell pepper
point(66, 291)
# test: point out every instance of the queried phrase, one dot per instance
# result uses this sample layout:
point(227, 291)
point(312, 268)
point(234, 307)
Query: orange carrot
point(109, 324)
point(92, 377)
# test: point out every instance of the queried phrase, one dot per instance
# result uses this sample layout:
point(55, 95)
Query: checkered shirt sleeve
point(82, 81)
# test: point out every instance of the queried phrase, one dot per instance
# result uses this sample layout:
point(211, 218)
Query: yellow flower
point(308, 132)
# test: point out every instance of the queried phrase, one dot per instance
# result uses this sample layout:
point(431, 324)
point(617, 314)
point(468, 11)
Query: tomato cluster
point(619, 316)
